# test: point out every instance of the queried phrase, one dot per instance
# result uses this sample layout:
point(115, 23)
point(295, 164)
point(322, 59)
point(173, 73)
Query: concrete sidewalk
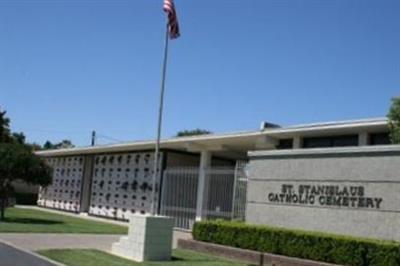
point(39, 241)
point(34, 242)
point(83, 238)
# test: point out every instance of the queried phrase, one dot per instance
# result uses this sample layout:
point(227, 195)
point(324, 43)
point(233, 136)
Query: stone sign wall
point(350, 191)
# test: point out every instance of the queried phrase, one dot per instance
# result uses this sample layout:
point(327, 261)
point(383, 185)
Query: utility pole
point(93, 138)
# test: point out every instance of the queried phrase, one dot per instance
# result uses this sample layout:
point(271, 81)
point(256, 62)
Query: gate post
point(205, 163)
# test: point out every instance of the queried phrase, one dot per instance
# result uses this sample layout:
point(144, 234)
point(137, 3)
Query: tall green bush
point(394, 120)
point(301, 244)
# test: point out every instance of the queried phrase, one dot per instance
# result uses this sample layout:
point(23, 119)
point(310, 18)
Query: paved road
point(10, 256)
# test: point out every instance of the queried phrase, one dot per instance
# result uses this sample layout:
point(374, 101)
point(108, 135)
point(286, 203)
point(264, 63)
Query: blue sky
point(67, 67)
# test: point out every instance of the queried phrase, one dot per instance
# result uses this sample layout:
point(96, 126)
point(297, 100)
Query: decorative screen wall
point(122, 184)
point(65, 191)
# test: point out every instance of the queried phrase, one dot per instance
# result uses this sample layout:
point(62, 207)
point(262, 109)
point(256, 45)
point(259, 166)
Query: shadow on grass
point(31, 221)
point(176, 259)
point(191, 260)
point(198, 260)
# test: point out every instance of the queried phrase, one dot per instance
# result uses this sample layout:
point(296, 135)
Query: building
point(199, 177)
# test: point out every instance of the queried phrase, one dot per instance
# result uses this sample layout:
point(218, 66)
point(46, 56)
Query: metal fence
point(218, 194)
point(179, 194)
point(224, 194)
point(240, 191)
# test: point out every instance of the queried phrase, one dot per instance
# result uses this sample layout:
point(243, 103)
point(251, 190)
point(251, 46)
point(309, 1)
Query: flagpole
point(160, 115)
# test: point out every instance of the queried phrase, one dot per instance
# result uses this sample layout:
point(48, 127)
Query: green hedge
point(302, 244)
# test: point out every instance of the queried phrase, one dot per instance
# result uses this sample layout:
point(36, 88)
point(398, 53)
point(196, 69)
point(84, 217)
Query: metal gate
point(240, 191)
point(218, 194)
point(224, 194)
point(179, 194)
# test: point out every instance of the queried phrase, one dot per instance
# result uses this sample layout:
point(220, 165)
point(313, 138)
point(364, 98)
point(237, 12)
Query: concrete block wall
point(65, 191)
point(122, 184)
point(149, 238)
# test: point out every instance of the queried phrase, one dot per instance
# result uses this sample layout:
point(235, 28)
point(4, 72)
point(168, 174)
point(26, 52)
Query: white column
point(363, 139)
point(297, 142)
point(86, 183)
point(205, 163)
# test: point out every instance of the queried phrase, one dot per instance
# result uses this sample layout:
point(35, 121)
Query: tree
point(394, 120)
point(35, 147)
point(66, 143)
point(19, 138)
point(4, 127)
point(193, 132)
point(48, 145)
point(5, 133)
point(17, 162)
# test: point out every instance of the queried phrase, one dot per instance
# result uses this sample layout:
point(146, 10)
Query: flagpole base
point(149, 239)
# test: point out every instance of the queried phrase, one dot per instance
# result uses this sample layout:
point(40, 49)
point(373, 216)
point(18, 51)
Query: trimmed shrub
point(301, 244)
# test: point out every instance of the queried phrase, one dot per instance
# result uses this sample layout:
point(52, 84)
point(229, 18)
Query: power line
point(74, 132)
point(109, 138)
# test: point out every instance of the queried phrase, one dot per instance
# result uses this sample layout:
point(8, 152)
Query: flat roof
point(235, 142)
point(341, 127)
point(328, 151)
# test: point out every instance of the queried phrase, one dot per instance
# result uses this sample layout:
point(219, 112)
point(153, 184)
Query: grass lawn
point(90, 257)
point(18, 220)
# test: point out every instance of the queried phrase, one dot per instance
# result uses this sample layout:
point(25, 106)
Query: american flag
point(173, 25)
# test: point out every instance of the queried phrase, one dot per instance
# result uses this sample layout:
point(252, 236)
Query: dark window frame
point(379, 138)
point(330, 141)
point(285, 144)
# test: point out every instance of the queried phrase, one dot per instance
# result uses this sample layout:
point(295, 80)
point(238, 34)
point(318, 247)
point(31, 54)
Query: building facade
point(199, 177)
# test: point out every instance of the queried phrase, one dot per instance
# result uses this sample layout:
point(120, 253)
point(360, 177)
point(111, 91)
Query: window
point(331, 141)
point(379, 139)
point(285, 144)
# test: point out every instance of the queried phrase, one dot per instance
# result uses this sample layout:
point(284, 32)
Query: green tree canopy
point(193, 132)
point(48, 145)
point(4, 127)
point(18, 162)
point(394, 120)
point(19, 138)
point(64, 144)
